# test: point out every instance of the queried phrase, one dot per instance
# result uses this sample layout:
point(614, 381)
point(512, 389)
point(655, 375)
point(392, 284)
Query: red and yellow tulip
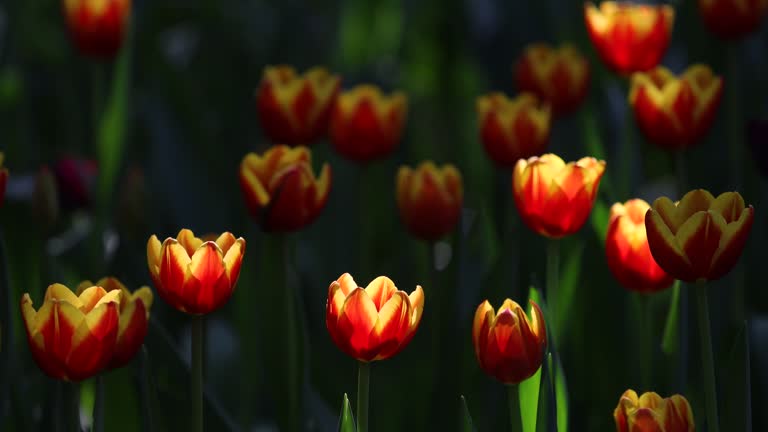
point(699, 237)
point(295, 109)
point(554, 198)
point(508, 345)
point(675, 112)
point(511, 129)
point(3, 178)
point(72, 337)
point(372, 323)
point(732, 19)
point(558, 75)
point(97, 26)
point(429, 199)
point(629, 37)
point(367, 124)
point(192, 275)
point(281, 190)
point(134, 318)
point(627, 250)
point(652, 413)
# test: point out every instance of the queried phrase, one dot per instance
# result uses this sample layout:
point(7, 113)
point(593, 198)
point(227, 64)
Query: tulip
point(429, 199)
point(732, 19)
point(559, 76)
point(75, 178)
point(675, 112)
point(629, 37)
point(511, 129)
point(372, 323)
point(508, 345)
point(133, 320)
point(700, 237)
point(295, 109)
point(554, 198)
point(627, 250)
point(366, 124)
point(651, 413)
point(281, 190)
point(72, 337)
point(194, 276)
point(3, 178)
point(97, 27)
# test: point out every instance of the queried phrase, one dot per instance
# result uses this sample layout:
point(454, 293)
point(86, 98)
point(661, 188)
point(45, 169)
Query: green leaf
point(346, 419)
point(737, 413)
point(599, 218)
point(529, 401)
point(466, 419)
point(671, 338)
point(561, 396)
point(569, 282)
point(546, 419)
point(535, 295)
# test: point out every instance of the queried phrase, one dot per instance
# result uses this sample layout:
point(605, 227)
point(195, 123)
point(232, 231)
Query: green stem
point(291, 329)
point(553, 278)
point(363, 388)
point(98, 405)
point(197, 372)
point(516, 421)
point(72, 414)
point(646, 340)
point(710, 388)
point(626, 152)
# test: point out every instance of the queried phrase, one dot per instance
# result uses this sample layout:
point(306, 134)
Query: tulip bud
point(651, 413)
point(97, 27)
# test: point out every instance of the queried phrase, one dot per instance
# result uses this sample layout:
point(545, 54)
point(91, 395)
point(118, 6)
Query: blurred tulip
point(3, 178)
point(509, 346)
point(76, 179)
point(281, 190)
point(559, 76)
point(295, 109)
point(45, 198)
point(757, 137)
point(72, 337)
point(366, 124)
point(429, 199)
point(372, 323)
point(554, 198)
point(629, 37)
point(97, 27)
point(651, 413)
point(732, 19)
point(675, 112)
point(513, 129)
point(626, 247)
point(194, 276)
point(133, 321)
point(699, 237)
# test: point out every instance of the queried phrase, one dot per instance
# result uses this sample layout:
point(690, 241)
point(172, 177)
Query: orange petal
point(380, 290)
point(357, 320)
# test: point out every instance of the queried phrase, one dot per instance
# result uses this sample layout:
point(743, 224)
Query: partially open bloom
point(626, 247)
point(675, 112)
point(559, 75)
point(512, 129)
point(629, 37)
point(699, 237)
point(554, 198)
point(3, 178)
point(366, 124)
point(281, 190)
point(652, 413)
point(97, 26)
point(192, 275)
point(732, 19)
point(372, 323)
point(295, 109)
point(429, 199)
point(508, 345)
point(133, 321)
point(72, 337)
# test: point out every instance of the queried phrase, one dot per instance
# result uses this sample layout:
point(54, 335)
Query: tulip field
point(436, 215)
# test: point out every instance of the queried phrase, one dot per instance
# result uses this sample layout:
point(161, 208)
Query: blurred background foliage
point(190, 118)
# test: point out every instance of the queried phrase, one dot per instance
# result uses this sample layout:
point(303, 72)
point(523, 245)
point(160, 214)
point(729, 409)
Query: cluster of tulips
point(78, 334)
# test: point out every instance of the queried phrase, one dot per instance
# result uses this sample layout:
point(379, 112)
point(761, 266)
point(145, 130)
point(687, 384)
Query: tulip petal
point(730, 205)
point(380, 290)
point(357, 320)
point(392, 324)
point(174, 272)
point(347, 284)
point(665, 248)
point(699, 238)
point(225, 241)
point(731, 244)
point(154, 252)
point(233, 260)
point(416, 298)
point(187, 239)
